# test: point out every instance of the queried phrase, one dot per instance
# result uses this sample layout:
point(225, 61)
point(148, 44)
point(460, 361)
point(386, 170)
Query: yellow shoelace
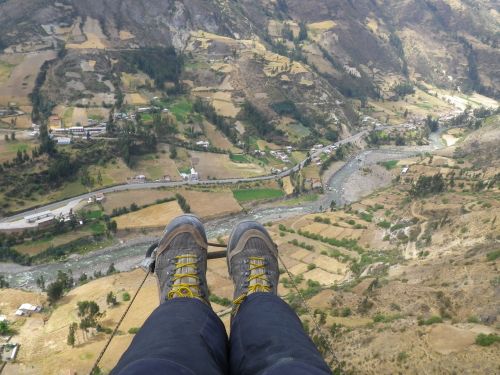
point(261, 283)
point(186, 271)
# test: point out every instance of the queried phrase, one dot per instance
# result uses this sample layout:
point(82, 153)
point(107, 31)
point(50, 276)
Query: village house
point(26, 309)
point(139, 179)
point(192, 176)
point(63, 141)
point(280, 155)
point(204, 144)
point(96, 198)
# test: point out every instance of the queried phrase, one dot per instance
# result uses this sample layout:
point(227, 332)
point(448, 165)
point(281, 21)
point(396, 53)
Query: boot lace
point(257, 280)
point(186, 281)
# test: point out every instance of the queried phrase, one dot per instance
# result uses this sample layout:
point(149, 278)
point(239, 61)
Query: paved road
point(154, 185)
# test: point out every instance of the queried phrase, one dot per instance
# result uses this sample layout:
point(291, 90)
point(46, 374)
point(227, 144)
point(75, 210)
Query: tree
point(427, 185)
point(99, 177)
point(282, 6)
point(4, 328)
point(183, 203)
point(88, 309)
point(83, 278)
point(47, 145)
point(112, 226)
point(71, 334)
point(65, 279)
point(3, 282)
point(19, 157)
point(173, 152)
point(40, 282)
point(89, 312)
point(332, 135)
point(111, 269)
point(111, 299)
point(13, 136)
point(6, 137)
point(86, 179)
point(55, 291)
point(302, 31)
point(432, 124)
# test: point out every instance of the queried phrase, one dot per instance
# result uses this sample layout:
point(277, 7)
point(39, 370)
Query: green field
point(239, 158)
point(181, 109)
point(300, 200)
point(146, 117)
point(391, 164)
point(5, 70)
point(248, 195)
point(298, 130)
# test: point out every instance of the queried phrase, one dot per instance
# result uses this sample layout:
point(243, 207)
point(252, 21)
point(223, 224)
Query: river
point(127, 256)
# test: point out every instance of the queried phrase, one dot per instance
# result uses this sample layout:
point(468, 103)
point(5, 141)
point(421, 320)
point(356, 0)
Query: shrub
point(473, 319)
point(134, 330)
point(324, 220)
point(4, 328)
point(432, 320)
point(366, 217)
point(346, 311)
point(311, 266)
point(494, 255)
point(487, 340)
point(126, 296)
point(183, 203)
point(219, 300)
point(381, 318)
point(402, 356)
point(427, 185)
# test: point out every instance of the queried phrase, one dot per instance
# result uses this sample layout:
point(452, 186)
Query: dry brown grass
point(40, 246)
point(150, 217)
point(220, 166)
point(211, 204)
point(218, 139)
point(79, 116)
point(136, 99)
point(287, 185)
point(95, 37)
point(22, 78)
point(139, 197)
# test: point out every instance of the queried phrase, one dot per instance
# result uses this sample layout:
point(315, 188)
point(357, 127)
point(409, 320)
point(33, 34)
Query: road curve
point(170, 184)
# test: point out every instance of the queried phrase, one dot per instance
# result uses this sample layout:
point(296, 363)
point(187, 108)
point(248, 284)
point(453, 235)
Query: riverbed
point(128, 255)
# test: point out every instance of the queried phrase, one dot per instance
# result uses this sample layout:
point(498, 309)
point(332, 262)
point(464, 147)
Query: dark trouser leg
point(267, 338)
point(182, 336)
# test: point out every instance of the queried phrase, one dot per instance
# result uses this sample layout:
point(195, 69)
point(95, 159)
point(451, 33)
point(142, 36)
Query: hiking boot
point(181, 260)
point(252, 261)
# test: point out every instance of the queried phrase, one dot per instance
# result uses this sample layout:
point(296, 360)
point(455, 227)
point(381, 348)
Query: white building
point(204, 144)
point(63, 141)
point(36, 217)
point(28, 309)
point(194, 175)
